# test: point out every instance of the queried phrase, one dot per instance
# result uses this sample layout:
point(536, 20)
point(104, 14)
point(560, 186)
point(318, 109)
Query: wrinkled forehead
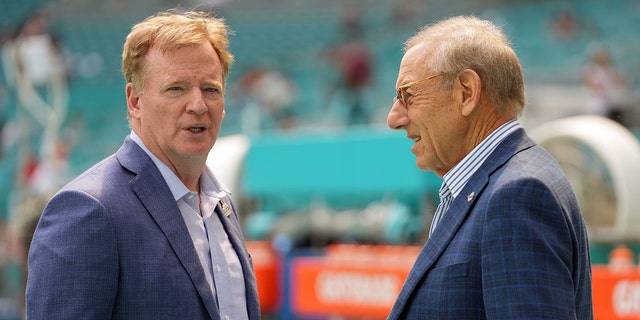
point(415, 63)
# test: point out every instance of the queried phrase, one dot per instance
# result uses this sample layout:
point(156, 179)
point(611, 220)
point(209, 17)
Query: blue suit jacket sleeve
point(527, 254)
point(75, 250)
point(112, 244)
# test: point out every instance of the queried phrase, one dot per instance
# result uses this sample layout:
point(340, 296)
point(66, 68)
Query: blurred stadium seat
point(292, 36)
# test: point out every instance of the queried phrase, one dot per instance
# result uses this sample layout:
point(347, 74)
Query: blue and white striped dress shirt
point(459, 175)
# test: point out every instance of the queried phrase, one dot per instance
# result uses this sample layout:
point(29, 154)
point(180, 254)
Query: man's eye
point(175, 88)
point(211, 90)
point(403, 95)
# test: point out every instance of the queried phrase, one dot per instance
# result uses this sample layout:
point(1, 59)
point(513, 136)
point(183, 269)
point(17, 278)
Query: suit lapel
point(155, 195)
point(436, 244)
point(230, 223)
point(458, 211)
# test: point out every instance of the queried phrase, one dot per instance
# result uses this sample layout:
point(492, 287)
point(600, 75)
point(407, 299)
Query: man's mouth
point(196, 129)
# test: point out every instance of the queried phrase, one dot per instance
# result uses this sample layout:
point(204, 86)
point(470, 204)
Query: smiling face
point(179, 112)
point(432, 117)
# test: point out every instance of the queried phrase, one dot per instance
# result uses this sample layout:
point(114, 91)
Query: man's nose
point(196, 104)
point(397, 117)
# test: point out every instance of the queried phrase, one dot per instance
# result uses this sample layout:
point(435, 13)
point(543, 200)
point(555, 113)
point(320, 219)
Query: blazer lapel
point(456, 214)
point(436, 244)
point(231, 224)
point(155, 195)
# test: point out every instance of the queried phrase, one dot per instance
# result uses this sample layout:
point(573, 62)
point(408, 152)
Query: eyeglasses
point(401, 92)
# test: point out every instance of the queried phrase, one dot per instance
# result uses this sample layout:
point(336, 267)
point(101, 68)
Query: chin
point(421, 165)
point(198, 150)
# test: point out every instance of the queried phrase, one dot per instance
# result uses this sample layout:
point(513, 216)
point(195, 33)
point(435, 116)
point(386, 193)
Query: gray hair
point(467, 42)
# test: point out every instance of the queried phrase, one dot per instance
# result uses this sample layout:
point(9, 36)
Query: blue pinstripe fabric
point(445, 200)
point(457, 177)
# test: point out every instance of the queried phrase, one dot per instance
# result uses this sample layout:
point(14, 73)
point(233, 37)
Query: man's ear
point(470, 87)
point(133, 99)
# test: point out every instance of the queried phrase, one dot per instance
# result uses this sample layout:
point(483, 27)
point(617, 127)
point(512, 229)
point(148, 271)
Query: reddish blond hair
point(169, 31)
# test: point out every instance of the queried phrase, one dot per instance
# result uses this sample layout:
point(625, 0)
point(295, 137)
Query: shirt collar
point(459, 175)
point(209, 184)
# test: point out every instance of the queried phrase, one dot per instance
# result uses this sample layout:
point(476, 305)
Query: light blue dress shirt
point(219, 260)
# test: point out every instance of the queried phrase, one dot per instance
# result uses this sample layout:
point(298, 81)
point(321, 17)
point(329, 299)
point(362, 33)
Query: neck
point(189, 174)
point(484, 124)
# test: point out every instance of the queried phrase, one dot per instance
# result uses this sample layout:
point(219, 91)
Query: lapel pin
point(470, 196)
point(225, 208)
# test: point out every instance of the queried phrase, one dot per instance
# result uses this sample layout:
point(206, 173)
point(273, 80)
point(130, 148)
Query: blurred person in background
point(269, 96)
point(149, 232)
point(609, 91)
point(3, 120)
point(354, 62)
point(508, 240)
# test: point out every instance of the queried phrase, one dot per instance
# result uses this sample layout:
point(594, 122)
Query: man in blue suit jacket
point(149, 232)
point(508, 240)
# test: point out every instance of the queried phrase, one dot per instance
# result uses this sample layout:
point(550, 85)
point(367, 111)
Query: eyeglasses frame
point(403, 88)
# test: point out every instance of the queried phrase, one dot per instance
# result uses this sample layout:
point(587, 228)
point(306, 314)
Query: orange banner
point(266, 264)
point(362, 282)
point(350, 281)
point(616, 293)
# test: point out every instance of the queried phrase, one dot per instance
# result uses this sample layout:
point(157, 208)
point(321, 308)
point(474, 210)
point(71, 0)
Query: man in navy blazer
point(149, 232)
point(507, 240)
